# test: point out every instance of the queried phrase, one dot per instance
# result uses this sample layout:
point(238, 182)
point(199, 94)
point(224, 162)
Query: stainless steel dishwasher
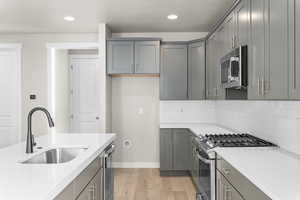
point(108, 173)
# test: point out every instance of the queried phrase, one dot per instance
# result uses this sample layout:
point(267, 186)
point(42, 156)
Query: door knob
point(97, 118)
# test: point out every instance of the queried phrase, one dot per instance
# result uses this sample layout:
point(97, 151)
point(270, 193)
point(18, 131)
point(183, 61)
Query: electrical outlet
point(141, 111)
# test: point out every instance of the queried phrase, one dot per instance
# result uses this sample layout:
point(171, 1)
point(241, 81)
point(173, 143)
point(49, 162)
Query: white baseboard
point(135, 164)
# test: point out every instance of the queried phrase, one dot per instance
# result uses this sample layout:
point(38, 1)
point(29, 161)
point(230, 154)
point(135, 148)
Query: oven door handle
point(206, 161)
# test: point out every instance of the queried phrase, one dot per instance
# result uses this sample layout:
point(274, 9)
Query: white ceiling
point(121, 15)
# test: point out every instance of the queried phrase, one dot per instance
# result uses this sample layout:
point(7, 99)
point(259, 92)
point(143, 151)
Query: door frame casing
point(51, 48)
point(17, 48)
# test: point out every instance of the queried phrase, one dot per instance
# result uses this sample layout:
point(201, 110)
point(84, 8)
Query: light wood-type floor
point(146, 184)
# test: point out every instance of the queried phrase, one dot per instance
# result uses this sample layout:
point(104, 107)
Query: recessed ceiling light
point(69, 18)
point(172, 17)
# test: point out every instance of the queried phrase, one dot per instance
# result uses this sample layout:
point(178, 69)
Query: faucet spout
point(30, 138)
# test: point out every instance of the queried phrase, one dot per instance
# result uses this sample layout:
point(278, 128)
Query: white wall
point(34, 70)
point(135, 117)
point(276, 121)
point(62, 91)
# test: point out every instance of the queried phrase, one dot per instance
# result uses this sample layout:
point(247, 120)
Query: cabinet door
point(196, 71)
point(89, 193)
point(275, 85)
point(242, 14)
point(230, 192)
point(207, 68)
point(93, 190)
point(220, 50)
point(147, 57)
point(166, 149)
point(294, 49)
point(181, 145)
point(120, 57)
point(66, 194)
point(230, 31)
point(211, 82)
point(219, 186)
point(173, 77)
point(98, 179)
point(256, 50)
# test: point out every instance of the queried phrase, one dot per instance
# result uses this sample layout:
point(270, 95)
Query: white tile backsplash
point(276, 121)
point(187, 111)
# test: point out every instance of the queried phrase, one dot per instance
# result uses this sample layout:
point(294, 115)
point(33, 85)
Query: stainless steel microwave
point(234, 68)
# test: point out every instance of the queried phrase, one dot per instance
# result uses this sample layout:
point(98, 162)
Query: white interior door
point(10, 88)
point(85, 94)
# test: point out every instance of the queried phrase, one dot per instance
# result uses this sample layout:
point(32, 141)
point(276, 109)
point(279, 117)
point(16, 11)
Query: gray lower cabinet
point(93, 190)
point(174, 72)
point(181, 145)
point(225, 190)
point(147, 54)
point(233, 185)
point(175, 150)
point(133, 57)
point(67, 193)
point(120, 57)
point(166, 149)
point(196, 71)
point(88, 185)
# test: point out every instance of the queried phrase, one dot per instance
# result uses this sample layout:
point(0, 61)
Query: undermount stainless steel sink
point(56, 155)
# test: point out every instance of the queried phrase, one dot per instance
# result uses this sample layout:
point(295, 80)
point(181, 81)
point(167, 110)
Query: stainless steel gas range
point(204, 162)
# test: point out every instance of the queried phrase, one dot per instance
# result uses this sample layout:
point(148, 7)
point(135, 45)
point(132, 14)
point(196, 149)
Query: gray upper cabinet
point(256, 50)
point(210, 69)
point(294, 49)
point(147, 57)
point(129, 57)
point(196, 70)
point(268, 71)
point(242, 17)
point(230, 31)
point(173, 74)
point(120, 57)
point(219, 52)
point(275, 84)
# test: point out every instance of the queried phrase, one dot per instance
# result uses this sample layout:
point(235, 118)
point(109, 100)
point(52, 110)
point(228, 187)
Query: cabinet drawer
point(84, 178)
point(248, 190)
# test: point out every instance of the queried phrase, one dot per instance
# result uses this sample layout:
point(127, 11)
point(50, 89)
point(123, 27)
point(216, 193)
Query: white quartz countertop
point(199, 129)
point(272, 170)
point(45, 181)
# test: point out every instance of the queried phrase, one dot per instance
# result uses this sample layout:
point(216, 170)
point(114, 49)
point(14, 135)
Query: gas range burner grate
point(236, 140)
